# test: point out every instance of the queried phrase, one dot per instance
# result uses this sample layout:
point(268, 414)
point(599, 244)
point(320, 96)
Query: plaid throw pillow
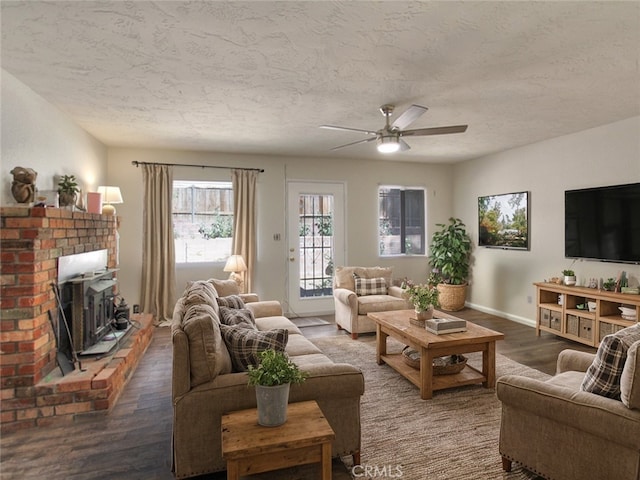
point(603, 376)
point(230, 301)
point(241, 317)
point(245, 344)
point(370, 286)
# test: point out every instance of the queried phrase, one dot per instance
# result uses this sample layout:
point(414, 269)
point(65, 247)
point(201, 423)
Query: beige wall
point(502, 279)
point(361, 179)
point(37, 135)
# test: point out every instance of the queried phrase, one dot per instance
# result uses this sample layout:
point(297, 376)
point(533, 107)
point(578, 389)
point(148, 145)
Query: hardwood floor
point(133, 440)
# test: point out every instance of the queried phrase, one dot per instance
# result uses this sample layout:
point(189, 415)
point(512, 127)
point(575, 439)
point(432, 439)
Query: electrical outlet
point(529, 299)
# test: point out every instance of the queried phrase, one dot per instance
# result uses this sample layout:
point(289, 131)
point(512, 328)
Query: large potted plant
point(449, 259)
point(272, 379)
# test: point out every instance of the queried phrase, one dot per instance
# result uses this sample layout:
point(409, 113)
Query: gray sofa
point(203, 389)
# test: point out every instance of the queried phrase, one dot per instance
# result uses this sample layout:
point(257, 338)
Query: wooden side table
point(250, 448)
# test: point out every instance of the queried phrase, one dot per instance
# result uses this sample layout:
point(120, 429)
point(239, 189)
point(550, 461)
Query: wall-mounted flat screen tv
point(503, 221)
point(603, 223)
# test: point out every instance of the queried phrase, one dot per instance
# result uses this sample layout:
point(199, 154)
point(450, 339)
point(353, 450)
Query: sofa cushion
point(200, 291)
point(208, 355)
point(604, 374)
point(569, 379)
point(344, 275)
point(231, 301)
point(380, 303)
point(225, 287)
point(369, 286)
point(245, 344)
point(630, 379)
point(299, 345)
point(237, 317)
point(273, 322)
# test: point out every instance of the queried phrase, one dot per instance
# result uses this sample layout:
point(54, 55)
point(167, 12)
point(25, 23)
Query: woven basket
point(452, 297)
point(412, 358)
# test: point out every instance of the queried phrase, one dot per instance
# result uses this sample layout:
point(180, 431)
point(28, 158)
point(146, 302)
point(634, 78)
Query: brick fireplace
point(33, 390)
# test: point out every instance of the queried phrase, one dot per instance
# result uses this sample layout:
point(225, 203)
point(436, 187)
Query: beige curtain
point(158, 255)
point(244, 220)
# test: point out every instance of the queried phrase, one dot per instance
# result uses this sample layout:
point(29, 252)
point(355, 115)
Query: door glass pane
point(316, 245)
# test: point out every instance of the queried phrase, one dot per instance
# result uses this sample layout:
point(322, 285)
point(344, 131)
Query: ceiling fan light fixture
point(388, 143)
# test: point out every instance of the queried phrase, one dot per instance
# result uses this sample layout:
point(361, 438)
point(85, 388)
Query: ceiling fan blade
point(347, 129)
point(404, 146)
point(354, 143)
point(409, 116)
point(435, 131)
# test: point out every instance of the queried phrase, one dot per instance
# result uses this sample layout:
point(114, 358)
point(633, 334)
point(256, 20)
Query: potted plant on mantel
point(449, 259)
point(67, 190)
point(272, 379)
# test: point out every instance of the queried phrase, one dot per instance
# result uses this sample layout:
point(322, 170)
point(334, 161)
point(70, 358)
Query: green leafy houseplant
point(422, 296)
point(568, 273)
point(275, 368)
point(67, 190)
point(450, 252)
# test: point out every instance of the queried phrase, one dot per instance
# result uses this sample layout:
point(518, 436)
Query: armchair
point(351, 308)
point(559, 431)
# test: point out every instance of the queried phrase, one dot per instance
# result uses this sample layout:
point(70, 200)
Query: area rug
point(453, 436)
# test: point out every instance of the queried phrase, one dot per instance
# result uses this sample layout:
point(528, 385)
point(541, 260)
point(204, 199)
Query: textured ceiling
point(260, 77)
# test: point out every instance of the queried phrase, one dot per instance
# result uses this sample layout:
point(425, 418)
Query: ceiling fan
point(389, 138)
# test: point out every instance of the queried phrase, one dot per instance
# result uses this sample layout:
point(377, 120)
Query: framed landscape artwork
point(503, 221)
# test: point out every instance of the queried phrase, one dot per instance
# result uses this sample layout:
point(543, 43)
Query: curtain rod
point(137, 164)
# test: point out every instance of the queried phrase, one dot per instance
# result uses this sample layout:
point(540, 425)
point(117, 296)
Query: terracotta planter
point(424, 314)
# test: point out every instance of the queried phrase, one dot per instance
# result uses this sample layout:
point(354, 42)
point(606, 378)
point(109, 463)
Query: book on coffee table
point(440, 326)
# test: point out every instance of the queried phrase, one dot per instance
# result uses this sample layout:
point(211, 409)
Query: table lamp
point(110, 195)
point(235, 264)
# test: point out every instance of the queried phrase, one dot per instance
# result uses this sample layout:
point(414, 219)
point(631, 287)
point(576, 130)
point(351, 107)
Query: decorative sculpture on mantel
point(23, 187)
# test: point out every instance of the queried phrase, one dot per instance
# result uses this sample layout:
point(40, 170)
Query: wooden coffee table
point(251, 448)
point(395, 324)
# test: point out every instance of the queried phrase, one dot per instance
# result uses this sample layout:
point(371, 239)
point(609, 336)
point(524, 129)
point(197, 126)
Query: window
point(401, 221)
point(202, 221)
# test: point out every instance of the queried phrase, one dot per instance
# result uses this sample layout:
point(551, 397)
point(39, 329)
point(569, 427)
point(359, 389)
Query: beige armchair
point(351, 308)
point(558, 431)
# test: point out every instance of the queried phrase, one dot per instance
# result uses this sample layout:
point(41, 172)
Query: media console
point(562, 317)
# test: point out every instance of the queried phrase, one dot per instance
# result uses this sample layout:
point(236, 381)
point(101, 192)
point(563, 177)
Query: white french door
point(315, 236)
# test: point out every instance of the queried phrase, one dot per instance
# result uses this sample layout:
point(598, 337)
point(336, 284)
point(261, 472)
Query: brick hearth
point(33, 391)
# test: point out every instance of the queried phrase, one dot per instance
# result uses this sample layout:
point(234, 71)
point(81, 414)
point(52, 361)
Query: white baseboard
point(498, 313)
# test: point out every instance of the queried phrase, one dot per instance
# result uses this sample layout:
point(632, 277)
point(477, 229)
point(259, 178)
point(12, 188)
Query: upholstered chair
point(369, 290)
point(561, 429)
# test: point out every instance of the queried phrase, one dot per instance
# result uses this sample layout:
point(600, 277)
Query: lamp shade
point(110, 194)
point(388, 143)
point(235, 263)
